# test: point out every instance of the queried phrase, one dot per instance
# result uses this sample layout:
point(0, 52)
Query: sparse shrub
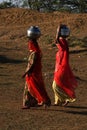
point(73, 41)
point(48, 39)
point(84, 39)
point(53, 45)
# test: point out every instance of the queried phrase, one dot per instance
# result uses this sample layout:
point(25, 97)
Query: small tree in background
point(79, 6)
point(6, 4)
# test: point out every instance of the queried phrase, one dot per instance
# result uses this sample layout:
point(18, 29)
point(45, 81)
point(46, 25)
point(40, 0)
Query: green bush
point(73, 41)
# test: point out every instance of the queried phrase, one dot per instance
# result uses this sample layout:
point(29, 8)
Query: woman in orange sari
point(64, 83)
point(34, 92)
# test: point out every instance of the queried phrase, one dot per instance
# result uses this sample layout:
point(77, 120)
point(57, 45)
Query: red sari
point(63, 74)
point(35, 81)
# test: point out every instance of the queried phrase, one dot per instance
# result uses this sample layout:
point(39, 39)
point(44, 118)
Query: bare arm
point(58, 33)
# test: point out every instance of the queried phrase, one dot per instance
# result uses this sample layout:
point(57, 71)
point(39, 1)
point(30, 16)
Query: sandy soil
point(13, 60)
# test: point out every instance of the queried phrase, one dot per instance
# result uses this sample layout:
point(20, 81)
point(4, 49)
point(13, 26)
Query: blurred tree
point(6, 4)
point(35, 4)
point(82, 6)
point(11, 3)
point(79, 6)
point(53, 5)
point(16, 3)
point(46, 5)
point(50, 5)
point(76, 5)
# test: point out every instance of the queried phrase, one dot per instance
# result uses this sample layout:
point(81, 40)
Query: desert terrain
point(14, 23)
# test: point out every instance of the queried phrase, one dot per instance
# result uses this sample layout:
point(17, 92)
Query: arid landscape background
point(13, 60)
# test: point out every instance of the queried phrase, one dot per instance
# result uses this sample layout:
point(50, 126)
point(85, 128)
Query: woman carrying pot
point(64, 82)
point(34, 92)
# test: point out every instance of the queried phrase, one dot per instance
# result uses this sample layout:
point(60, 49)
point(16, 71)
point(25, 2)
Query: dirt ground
point(13, 61)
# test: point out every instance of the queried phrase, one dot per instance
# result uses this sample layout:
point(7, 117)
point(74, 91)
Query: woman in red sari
point(64, 83)
point(34, 92)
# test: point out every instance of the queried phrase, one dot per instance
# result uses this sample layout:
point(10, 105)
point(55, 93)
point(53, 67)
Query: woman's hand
point(23, 76)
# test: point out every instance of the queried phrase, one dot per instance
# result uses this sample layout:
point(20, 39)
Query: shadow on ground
point(4, 59)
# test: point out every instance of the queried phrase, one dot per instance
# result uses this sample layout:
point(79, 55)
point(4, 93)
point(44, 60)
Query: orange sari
point(35, 81)
point(63, 75)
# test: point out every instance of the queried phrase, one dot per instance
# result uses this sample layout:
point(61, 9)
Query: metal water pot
point(64, 31)
point(33, 32)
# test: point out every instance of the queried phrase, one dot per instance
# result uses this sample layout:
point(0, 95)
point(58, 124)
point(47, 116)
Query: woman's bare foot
point(65, 103)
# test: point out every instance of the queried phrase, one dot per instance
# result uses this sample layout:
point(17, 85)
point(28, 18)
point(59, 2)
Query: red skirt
point(36, 87)
point(66, 80)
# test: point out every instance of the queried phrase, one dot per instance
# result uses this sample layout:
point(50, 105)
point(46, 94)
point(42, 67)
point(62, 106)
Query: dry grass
point(13, 54)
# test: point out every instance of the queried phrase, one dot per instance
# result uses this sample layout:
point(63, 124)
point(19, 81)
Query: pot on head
point(64, 31)
point(33, 32)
